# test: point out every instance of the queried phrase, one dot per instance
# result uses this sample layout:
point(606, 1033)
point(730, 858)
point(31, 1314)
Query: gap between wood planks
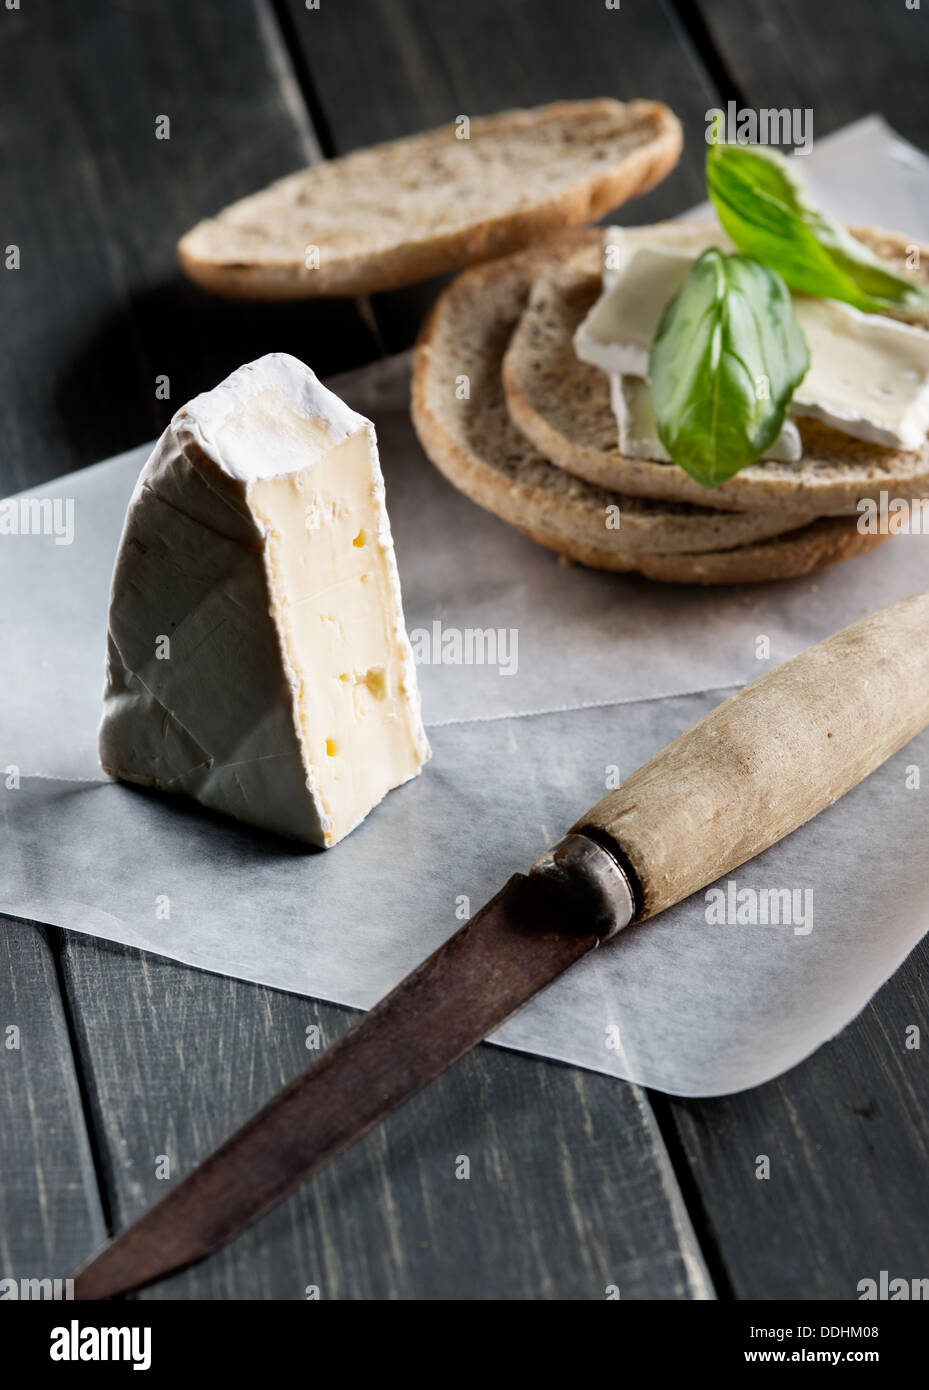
point(689, 14)
point(295, 70)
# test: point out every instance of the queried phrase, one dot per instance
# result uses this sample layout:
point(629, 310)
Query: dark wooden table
point(579, 1182)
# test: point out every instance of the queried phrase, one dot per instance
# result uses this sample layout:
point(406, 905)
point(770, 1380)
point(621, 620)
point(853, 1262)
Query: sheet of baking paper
point(591, 674)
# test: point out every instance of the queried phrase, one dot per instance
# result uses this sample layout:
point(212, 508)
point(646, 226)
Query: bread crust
point(247, 252)
point(828, 541)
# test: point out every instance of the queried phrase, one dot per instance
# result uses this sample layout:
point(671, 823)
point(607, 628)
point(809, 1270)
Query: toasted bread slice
point(399, 212)
point(460, 414)
point(825, 542)
point(563, 406)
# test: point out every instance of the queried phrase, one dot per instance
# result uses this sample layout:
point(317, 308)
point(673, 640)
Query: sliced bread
point(459, 411)
point(790, 556)
point(395, 213)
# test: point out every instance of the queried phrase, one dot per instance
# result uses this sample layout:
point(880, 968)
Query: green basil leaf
point(726, 359)
point(763, 207)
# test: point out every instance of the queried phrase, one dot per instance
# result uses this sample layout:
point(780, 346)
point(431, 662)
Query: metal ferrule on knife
point(592, 878)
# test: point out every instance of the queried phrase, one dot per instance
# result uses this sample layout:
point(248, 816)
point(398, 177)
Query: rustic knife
point(754, 769)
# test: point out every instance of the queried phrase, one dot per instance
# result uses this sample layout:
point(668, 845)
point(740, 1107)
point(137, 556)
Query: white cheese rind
point(643, 267)
point(223, 423)
point(618, 332)
point(690, 238)
point(222, 719)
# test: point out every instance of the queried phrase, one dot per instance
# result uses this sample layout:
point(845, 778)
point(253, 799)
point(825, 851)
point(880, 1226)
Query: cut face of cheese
point(631, 402)
point(257, 654)
point(868, 376)
point(685, 238)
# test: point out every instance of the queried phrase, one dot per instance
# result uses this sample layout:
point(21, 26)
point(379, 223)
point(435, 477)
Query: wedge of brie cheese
point(868, 376)
point(257, 656)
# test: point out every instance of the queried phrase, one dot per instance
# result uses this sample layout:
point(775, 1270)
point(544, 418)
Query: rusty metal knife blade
point(509, 951)
point(750, 772)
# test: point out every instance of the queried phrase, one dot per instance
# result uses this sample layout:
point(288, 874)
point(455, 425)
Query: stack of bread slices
point(501, 401)
point(534, 439)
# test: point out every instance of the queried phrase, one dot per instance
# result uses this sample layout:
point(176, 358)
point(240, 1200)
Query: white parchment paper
point(607, 670)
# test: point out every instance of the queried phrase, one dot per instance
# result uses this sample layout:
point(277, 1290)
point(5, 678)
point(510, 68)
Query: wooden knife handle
point(771, 756)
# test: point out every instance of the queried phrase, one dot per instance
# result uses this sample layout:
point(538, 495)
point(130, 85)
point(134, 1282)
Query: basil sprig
point(763, 207)
point(726, 359)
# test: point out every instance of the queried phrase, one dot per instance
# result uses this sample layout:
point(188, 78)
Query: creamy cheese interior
point(336, 603)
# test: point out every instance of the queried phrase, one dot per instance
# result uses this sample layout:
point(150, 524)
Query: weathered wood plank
point(569, 1189)
point(830, 1214)
point(387, 68)
point(49, 1203)
point(841, 58)
point(173, 1059)
point(848, 1144)
point(846, 1132)
point(95, 203)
